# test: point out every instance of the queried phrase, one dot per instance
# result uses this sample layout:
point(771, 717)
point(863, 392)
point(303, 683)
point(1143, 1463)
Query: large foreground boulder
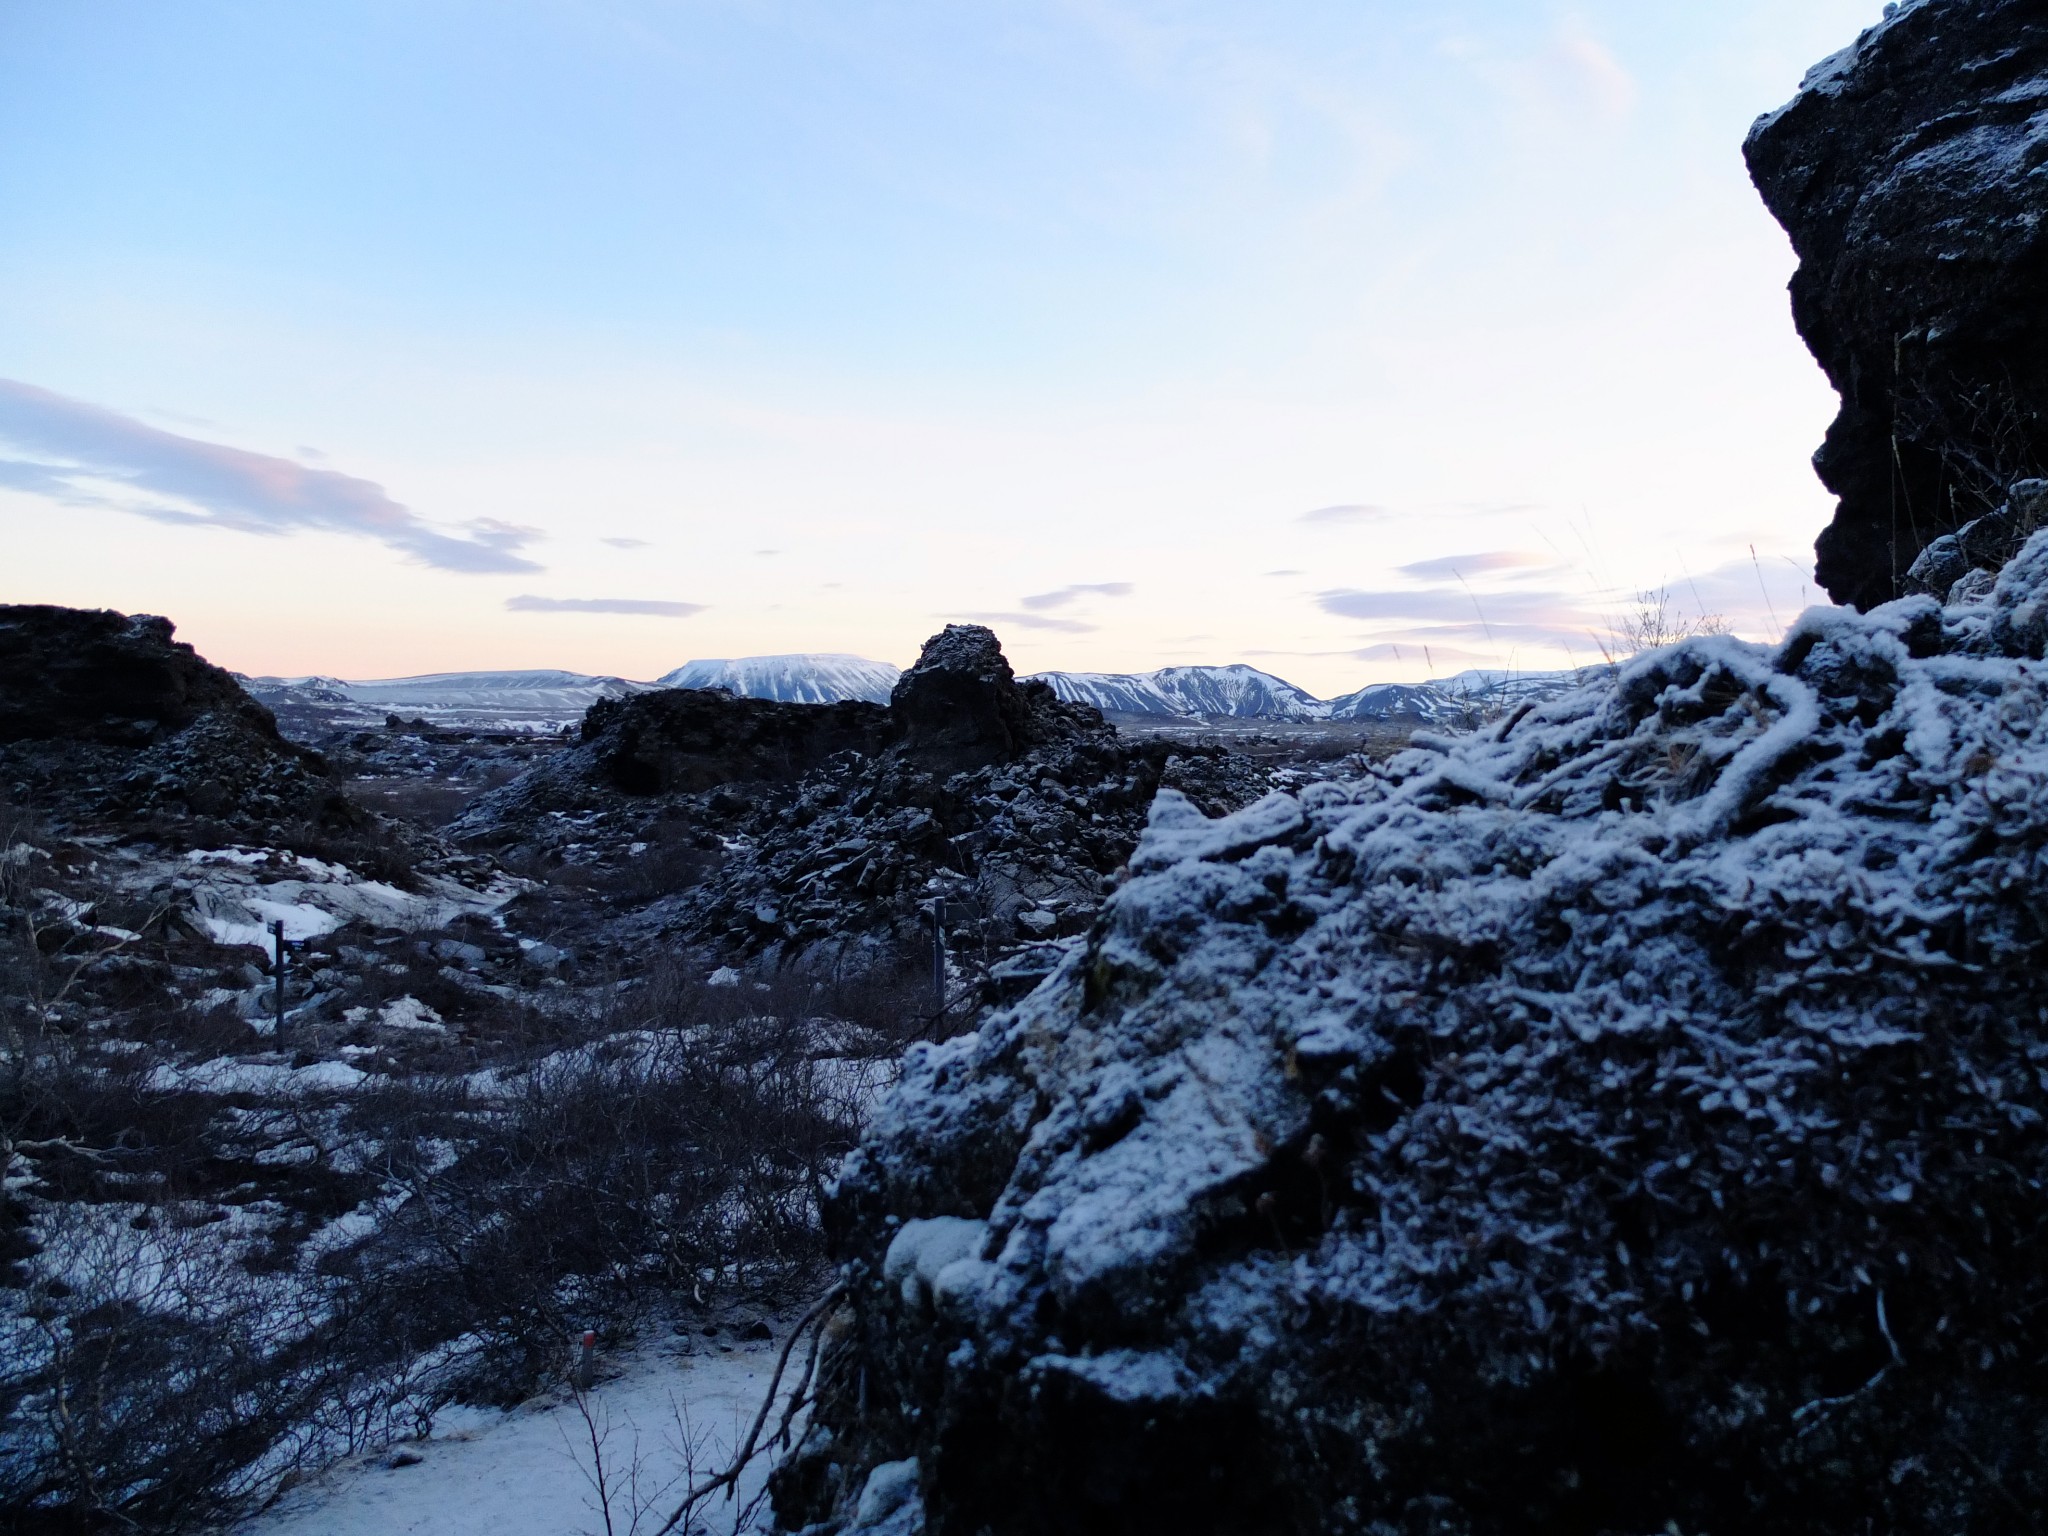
point(1912, 175)
point(1629, 1119)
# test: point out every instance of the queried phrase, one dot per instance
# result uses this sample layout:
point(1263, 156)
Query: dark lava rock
point(79, 675)
point(1629, 1118)
point(962, 707)
point(674, 742)
point(1912, 175)
point(681, 740)
point(103, 715)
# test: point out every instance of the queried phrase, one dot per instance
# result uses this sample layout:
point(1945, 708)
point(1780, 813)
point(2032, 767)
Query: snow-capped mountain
point(1407, 702)
point(1237, 691)
point(799, 679)
point(1491, 688)
point(1245, 693)
point(543, 700)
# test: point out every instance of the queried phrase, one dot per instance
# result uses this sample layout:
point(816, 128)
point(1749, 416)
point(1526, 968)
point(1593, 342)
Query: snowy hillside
point(531, 700)
point(1238, 691)
point(1246, 693)
point(1493, 688)
point(797, 679)
point(1396, 701)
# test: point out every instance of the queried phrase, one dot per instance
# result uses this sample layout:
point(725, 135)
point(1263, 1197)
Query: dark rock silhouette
point(1912, 175)
point(961, 706)
point(104, 716)
point(84, 675)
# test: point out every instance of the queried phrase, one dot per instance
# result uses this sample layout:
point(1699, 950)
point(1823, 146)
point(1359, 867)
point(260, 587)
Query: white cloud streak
point(1349, 512)
point(527, 602)
point(81, 455)
point(1029, 621)
point(1066, 595)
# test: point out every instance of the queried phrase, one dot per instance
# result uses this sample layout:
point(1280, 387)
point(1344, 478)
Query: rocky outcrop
point(104, 716)
point(1912, 175)
point(962, 707)
point(1626, 1119)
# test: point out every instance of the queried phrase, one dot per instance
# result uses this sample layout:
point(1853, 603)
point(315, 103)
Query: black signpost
point(277, 934)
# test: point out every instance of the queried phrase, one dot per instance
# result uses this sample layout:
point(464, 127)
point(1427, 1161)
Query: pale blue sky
point(428, 306)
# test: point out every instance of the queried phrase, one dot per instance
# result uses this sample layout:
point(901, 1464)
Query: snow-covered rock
point(1627, 1118)
point(798, 679)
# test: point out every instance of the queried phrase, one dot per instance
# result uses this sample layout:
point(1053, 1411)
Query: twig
point(730, 1477)
point(802, 1387)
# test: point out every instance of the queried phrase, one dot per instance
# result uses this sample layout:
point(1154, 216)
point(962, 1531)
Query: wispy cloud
point(1028, 621)
point(1455, 604)
point(82, 455)
point(1592, 66)
point(1066, 595)
point(1416, 650)
point(1453, 567)
point(1349, 512)
point(1429, 615)
point(528, 603)
point(627, 543)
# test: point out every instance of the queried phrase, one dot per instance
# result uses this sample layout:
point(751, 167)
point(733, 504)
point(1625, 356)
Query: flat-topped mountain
point(803, 678)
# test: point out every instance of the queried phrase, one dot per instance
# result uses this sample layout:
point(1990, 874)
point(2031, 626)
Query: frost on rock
point(1631, 1114)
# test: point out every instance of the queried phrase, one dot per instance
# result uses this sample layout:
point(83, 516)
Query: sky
point(1360, 340)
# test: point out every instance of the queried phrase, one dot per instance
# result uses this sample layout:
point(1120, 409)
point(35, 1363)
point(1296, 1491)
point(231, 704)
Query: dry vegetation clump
point(227, 1261)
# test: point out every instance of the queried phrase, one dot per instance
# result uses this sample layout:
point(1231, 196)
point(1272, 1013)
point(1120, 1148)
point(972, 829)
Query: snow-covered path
point(528, 1472)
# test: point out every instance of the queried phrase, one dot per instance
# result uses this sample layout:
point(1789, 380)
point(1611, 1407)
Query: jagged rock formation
point(1627, 1119)
point(962, 707)
point(827, 835)
point(106, 716)
point(1910, 175)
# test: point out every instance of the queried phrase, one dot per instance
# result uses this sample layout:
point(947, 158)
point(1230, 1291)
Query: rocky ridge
point(831, 836)
point(1912, 175)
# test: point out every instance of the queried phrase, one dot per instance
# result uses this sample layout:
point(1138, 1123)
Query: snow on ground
point(237, 893)
point(528, 1471)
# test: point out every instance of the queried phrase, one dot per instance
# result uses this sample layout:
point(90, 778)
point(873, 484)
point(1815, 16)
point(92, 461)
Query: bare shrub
point(666, 1161)
point(1654, 622)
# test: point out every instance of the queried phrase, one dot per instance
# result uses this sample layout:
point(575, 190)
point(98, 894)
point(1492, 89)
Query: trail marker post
point(586, 1363)
point(277, 934)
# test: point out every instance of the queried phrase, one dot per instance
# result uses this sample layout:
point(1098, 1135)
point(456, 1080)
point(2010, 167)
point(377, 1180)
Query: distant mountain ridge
point(1242, 692)
point(550, 700)
point(542, 699)
point(810, 678)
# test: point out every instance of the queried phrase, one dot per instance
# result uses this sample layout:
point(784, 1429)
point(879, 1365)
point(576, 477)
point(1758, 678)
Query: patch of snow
point(230, 1074)
point(923, 1250)
point(526, 1472)
point(883, 1497)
